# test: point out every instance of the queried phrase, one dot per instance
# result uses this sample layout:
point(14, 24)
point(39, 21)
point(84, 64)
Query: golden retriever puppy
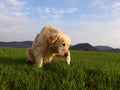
point(49, 43)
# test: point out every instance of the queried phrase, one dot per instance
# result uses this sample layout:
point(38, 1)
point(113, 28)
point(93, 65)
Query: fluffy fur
point(49, 43)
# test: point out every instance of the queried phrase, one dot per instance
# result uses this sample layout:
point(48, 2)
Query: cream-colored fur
point(49, 43)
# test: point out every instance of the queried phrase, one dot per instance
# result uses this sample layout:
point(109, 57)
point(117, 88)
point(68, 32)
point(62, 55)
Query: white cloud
point(13, 7)
point(93, 27)
point(64, 11)
point(106, 7)
point(52, 14)
point(19, 14)
point(17, 28)
point(16, 2)
point(116, 10)
point(116, 4)
point(16, 36)
point(93, 32)
point(71, 10)
point(47, 10)
point(2, 5)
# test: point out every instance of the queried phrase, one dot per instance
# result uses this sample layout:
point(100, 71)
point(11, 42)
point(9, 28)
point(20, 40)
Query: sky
point(85, 21)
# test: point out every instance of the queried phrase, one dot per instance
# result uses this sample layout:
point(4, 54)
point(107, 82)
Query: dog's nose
point(66, 54)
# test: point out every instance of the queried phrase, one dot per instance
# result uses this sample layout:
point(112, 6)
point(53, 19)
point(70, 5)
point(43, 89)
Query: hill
point(80, 46)
point(89, 47)
point(107, 48)
point(16, 44)
point(83, 46)
point(104, 48)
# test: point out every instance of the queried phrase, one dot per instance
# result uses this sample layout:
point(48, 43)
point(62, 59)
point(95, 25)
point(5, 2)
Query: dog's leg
point(30, 56)
point(39, 61)
point(48, 59)
point(68, 58)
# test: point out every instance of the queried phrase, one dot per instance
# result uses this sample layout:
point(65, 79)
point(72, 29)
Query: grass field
point(88, 71)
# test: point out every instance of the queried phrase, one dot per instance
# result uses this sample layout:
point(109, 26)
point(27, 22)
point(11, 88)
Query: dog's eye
point(63, 44)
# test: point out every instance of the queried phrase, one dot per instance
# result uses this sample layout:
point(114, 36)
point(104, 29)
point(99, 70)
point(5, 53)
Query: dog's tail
point(30, 55)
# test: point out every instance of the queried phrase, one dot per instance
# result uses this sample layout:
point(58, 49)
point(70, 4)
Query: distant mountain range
point(80, 46)
point(107, 48)
point(88, 47)
point(83, 46)
point(16, 44)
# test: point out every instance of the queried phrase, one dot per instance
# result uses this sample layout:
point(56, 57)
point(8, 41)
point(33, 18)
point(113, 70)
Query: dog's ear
point(53, 37)
point(51, 34)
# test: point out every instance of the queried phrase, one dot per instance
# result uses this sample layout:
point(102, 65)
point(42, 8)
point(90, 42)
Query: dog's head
point(63, 44)
point(59, 42)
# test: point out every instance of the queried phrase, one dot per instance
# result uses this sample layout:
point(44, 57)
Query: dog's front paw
point(68, 60)
point(39, 63)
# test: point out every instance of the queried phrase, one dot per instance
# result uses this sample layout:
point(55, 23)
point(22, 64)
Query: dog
point(50, 42)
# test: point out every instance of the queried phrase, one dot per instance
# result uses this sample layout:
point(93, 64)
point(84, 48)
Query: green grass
point(88, 71)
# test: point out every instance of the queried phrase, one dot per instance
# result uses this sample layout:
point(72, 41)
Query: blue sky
point(94, 21)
